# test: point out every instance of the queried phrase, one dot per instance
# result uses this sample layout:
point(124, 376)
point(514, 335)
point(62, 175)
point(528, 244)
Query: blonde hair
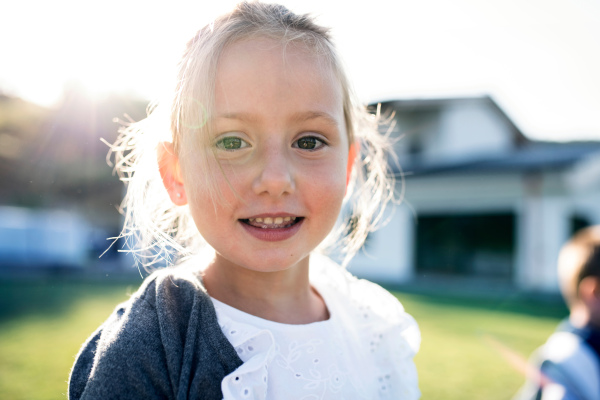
point(578, 259)
point(158, 230)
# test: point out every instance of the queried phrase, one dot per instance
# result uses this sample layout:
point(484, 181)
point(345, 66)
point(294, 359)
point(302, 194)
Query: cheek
point(210, 211)
point(208, 182)
point(328, 186)
point(204, 207)
point(208, 195)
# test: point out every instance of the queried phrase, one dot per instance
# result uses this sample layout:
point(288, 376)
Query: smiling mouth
point(272, 223)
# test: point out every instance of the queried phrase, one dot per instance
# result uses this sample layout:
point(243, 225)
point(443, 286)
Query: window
point(467, 245)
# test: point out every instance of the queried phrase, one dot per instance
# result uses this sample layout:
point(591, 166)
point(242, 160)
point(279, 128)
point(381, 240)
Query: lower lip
point(273, 235)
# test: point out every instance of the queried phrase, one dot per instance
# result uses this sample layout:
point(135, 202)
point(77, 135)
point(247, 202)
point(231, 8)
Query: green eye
point(231, 143)
point(309, 143)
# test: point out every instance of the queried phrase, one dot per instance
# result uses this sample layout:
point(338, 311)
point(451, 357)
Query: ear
point(168, 165)
point(352, 152)
point(589, 292)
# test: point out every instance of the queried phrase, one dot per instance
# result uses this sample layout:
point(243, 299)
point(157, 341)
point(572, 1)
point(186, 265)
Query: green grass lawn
point(456, 360)
point(42, 325)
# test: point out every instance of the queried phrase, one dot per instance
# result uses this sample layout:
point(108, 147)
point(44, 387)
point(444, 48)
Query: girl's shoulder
point(182, 283)
point(364, 300)
point(166, 332)
point(374, 323)
point(167, 296)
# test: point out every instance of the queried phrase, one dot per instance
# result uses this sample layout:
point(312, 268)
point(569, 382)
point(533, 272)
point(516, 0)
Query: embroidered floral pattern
point(364, 351)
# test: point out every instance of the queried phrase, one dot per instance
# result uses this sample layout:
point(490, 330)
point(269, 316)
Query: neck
point(283, 296)
point(579, 316)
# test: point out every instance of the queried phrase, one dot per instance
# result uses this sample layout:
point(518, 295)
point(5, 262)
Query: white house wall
point(543, 207)
point(583, 181)
point(471, 130)
point(543, 227)
point(587, 205)
point(388, 255)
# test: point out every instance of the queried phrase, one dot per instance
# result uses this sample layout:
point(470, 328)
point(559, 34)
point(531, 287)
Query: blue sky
point(538, 58)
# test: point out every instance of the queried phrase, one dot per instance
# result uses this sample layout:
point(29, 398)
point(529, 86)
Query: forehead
point(262, 74)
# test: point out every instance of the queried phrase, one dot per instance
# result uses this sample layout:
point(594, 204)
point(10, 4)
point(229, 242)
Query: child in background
point(264, 146)
point(569, 361)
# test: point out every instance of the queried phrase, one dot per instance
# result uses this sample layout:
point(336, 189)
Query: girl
point(263, 151)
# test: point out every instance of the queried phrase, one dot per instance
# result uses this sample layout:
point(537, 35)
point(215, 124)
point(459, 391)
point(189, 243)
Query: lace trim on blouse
point(364, 350)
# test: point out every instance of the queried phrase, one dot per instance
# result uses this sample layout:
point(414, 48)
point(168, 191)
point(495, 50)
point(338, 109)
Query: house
point(482, 202)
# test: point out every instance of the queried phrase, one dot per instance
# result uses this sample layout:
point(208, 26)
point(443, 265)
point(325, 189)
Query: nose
point(275, 176)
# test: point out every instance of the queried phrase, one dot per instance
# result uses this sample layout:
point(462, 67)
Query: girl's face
point(280, 138)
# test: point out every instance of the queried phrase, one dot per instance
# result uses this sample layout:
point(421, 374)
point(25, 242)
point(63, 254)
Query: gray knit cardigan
point(164, 343)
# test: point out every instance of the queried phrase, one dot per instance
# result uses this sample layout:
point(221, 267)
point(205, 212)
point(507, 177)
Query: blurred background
point(496, 109)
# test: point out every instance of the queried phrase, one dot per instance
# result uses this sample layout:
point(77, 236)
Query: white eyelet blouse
point(364, 350)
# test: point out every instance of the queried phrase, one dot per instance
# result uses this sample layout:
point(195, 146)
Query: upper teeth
point(269, 220)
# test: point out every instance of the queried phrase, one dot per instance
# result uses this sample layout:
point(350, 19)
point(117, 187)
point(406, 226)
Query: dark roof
point(535, 156)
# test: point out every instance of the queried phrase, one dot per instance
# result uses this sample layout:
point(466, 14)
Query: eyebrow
point(310, 115)
point(297, 117)
point(239, 116)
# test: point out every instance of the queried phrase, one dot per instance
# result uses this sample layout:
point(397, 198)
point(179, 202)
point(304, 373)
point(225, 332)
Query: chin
point(274, 264)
